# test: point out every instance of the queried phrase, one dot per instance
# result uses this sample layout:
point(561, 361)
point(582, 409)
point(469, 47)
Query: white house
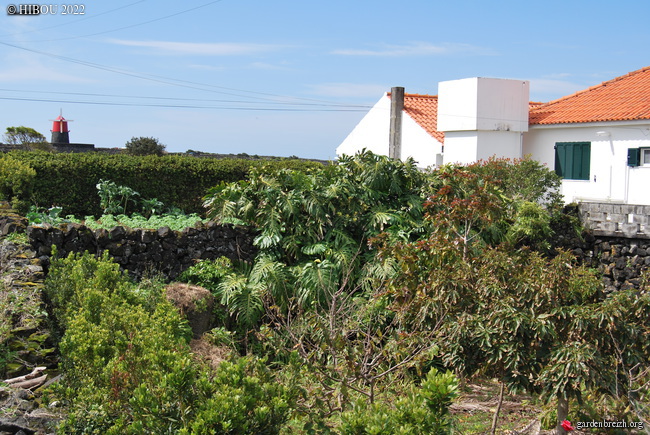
point(420, 139)
point(598, 139)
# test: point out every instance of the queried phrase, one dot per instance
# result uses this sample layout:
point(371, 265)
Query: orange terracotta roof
point(424, 110)
point(624, 98)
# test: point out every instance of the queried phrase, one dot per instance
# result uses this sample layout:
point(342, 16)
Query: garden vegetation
point(377, 289)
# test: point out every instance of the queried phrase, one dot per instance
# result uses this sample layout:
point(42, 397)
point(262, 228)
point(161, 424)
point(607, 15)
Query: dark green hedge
point(69, 180)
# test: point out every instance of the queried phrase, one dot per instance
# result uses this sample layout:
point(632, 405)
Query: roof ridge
point(591, 88)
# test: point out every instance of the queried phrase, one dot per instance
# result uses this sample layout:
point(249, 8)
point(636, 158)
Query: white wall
point(482, 117)
point(373, 130)
point(481, 103)
point(610, 178)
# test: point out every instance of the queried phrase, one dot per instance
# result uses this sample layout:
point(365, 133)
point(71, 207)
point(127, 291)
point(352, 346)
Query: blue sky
point(290, 77)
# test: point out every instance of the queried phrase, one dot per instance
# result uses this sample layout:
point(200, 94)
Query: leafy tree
point(145, 146)
point(23, 136)
point(503, 310)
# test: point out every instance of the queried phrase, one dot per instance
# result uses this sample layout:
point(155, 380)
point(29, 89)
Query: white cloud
point(29, 70)
point(417, 49)
point(349, 90)
point(199, 48)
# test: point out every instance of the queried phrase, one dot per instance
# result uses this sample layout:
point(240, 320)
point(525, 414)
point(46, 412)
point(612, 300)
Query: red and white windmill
point(60, 132)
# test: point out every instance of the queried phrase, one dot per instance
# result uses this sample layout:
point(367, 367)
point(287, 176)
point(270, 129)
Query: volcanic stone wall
point(623, 262)
point(145, 251)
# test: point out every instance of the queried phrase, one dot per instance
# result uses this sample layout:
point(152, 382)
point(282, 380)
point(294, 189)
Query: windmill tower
point(60, 132)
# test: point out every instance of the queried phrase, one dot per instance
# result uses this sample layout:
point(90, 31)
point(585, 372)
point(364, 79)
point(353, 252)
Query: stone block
point(608, 227)
point(596, 216)
point(627, 208)
point(616, 217)
point(629, 230)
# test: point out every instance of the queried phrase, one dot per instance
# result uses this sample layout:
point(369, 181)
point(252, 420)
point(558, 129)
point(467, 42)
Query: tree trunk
point(495, 418)
point(562, 414)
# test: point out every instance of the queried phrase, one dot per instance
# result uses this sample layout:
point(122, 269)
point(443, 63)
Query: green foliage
point(23, 136)
point(523, 180)
point(145, 146)
point(16, 181)
point(242, 397)
point(69, 180)
point(531, 226)
point(176, 222)
point(502, 310)
point(127, 364)
point(52, 216)
point(314, 226)
point(71, 279)
point(422, 410)
point(207, 273)
point(114, 199)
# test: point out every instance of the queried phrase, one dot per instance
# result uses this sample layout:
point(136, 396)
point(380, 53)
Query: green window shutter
point(634, 156)
point(573, 160)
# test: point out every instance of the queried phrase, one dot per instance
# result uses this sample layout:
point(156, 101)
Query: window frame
point(642, 159)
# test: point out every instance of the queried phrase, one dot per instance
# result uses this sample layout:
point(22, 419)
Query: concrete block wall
point(616, 220)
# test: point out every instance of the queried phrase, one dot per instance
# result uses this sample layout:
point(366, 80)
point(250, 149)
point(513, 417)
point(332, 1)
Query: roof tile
point(424, 110)
point(624, 98)
point(621, 99)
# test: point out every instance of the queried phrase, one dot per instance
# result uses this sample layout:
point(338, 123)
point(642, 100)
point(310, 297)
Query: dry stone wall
point(623, 262)
point(145, 251)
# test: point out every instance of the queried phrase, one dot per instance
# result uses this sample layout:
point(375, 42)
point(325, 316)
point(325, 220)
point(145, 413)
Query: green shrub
point(242, 398)
point(177, 181)
point(423, 410)
point(145, 146)
point(127, 364)
point(16, 181)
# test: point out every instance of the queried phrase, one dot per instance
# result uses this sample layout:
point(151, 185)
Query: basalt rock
point(144, 251)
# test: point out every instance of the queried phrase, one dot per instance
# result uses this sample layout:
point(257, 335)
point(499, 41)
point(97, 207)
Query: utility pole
point(395, 135)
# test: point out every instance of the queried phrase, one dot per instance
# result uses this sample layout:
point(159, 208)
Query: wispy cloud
point(348, 90)
point(417, 49)
point(26, 69)
point(199, 48)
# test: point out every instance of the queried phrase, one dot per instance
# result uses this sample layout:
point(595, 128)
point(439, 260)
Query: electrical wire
point(178, 106)
point(148, 97)
point(171, 81)
point(129, 26)
point(67, 24)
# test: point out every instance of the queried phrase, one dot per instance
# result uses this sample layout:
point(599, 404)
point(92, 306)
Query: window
point(645, 156)
point(573, 160)
point(638, 157)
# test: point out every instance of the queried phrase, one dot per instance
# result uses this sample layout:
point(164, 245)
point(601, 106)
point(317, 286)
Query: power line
point(178, 106)
point(170, 81)
point(87, 17)
point(129, 26)
point(148, 97)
